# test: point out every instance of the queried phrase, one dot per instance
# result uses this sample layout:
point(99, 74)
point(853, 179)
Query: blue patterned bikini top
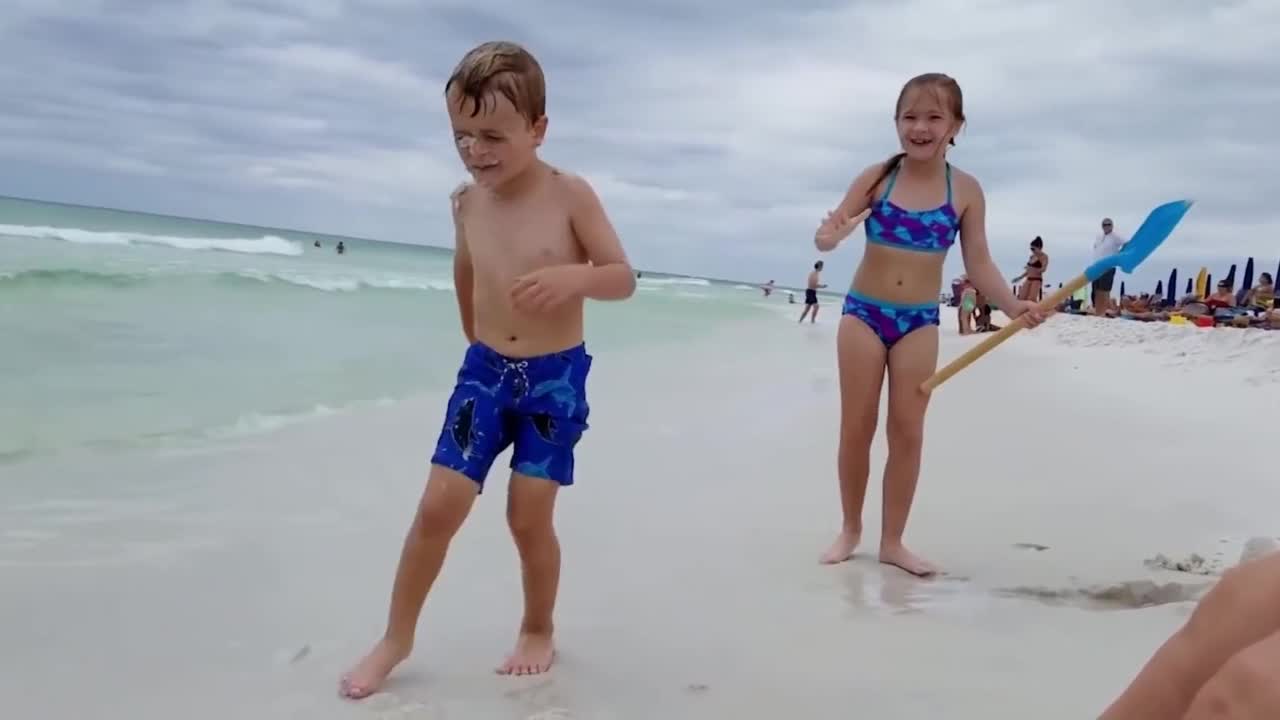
point(919, 230)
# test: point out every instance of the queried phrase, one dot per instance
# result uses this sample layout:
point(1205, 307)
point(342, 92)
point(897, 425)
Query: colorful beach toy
point(1153, 231)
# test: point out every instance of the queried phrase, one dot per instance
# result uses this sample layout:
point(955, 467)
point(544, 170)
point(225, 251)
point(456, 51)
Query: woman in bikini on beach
point(915, 205)
point(1033, 276)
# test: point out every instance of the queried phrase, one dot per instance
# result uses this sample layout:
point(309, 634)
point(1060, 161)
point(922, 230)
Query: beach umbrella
point(1121, 288)
point(1159, 287)
point(1247, 282)
point(1208, 285)
point(1277, 275)
point(1190, 285)
point(1173, 286)
point(1231, 276)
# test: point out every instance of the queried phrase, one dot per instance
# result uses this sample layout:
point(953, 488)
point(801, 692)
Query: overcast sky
point(717, 132)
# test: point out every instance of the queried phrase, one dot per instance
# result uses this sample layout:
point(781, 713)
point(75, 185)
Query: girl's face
point(925, 125)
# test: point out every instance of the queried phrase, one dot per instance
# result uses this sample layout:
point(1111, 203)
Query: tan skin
point(532, 244)
point(901, 276)
point(1224, 663)
point(1033, 278)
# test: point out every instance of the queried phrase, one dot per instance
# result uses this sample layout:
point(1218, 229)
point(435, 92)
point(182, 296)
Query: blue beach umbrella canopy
point(1159, 287)
point(1231, 276)
point(1173, 286)
point(1247, 281)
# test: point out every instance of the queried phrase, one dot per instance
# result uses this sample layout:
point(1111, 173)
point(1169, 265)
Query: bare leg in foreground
point(1224, 663)
point(530, 510)
point(445, 504)
point(911, 361)
point(861, 357)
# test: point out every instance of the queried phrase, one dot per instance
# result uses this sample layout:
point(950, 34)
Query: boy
point(532, 243)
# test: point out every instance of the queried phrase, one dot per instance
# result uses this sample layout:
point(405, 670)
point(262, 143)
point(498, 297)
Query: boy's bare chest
point(520, 243)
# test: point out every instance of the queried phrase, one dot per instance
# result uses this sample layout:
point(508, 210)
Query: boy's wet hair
point(500, 67)
point(948, 93)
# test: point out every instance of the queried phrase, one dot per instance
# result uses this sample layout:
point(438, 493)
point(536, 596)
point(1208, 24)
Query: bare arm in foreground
point(1224, 663)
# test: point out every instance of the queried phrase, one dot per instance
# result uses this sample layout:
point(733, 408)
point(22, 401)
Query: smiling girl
point(914, 206)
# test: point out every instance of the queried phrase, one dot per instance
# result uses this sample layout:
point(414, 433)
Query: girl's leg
point(911, 361)
point(861, 358)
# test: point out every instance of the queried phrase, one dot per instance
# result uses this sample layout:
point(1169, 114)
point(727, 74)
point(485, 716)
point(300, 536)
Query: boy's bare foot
point(533, 655)
point(900, 557)
point(368, 675)
point(842, 549)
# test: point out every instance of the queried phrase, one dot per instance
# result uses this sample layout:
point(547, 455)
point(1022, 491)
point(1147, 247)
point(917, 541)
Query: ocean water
point(122, 331)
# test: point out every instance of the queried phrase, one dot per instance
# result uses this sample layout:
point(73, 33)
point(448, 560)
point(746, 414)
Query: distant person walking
point(1107, 243)
point(811, 294)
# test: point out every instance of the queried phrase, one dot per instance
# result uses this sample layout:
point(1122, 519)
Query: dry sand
point(240, 583)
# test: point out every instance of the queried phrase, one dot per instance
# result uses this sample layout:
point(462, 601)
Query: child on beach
point(532, 243)
point(914, 205)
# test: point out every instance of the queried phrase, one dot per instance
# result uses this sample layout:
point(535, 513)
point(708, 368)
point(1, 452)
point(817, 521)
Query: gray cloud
point(718, 133)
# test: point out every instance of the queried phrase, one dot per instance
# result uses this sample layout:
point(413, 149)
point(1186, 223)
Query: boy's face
point(497, 143)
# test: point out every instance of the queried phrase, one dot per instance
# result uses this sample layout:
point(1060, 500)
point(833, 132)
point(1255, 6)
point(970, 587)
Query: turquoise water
point(121, 329)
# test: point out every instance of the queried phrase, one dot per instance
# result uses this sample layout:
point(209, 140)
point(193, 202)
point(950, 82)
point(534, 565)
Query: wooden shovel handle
point(991, 341)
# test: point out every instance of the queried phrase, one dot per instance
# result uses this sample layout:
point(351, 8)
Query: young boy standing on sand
point(532, 243)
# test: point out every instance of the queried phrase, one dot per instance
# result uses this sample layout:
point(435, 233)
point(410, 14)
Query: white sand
point(239, 584)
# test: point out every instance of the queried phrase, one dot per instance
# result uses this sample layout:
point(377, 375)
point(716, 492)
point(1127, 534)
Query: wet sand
point(240, 582)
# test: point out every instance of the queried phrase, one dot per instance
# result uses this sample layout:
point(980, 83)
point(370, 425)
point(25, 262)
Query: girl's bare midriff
point(899, 276)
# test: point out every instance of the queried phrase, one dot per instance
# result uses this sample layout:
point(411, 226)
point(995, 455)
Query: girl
point(914, 205)
point(1034, 272)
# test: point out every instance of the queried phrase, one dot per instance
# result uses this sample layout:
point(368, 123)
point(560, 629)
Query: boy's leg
point(445, 504)
point(530, 511)
point(472, 435)
point(549, 421)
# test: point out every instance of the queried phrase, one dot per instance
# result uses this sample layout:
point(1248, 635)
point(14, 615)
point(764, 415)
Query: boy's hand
point(834, 229)
point(547, 288)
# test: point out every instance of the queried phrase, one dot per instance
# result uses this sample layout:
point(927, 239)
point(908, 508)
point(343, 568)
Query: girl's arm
point(856, 201)
point(977, 254)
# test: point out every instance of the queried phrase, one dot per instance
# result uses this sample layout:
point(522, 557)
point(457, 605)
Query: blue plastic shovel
point(1153, 231)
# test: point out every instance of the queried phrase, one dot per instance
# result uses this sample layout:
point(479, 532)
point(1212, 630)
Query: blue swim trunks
point(538, 405)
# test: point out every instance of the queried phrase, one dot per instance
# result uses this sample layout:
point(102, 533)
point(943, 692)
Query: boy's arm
point(463, 275)
point(609, 277)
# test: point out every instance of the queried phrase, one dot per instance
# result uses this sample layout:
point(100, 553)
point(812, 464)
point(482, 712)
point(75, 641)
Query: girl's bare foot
point(900, 557)
point(533, 655)
point(368, 675)
point(842, 549)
